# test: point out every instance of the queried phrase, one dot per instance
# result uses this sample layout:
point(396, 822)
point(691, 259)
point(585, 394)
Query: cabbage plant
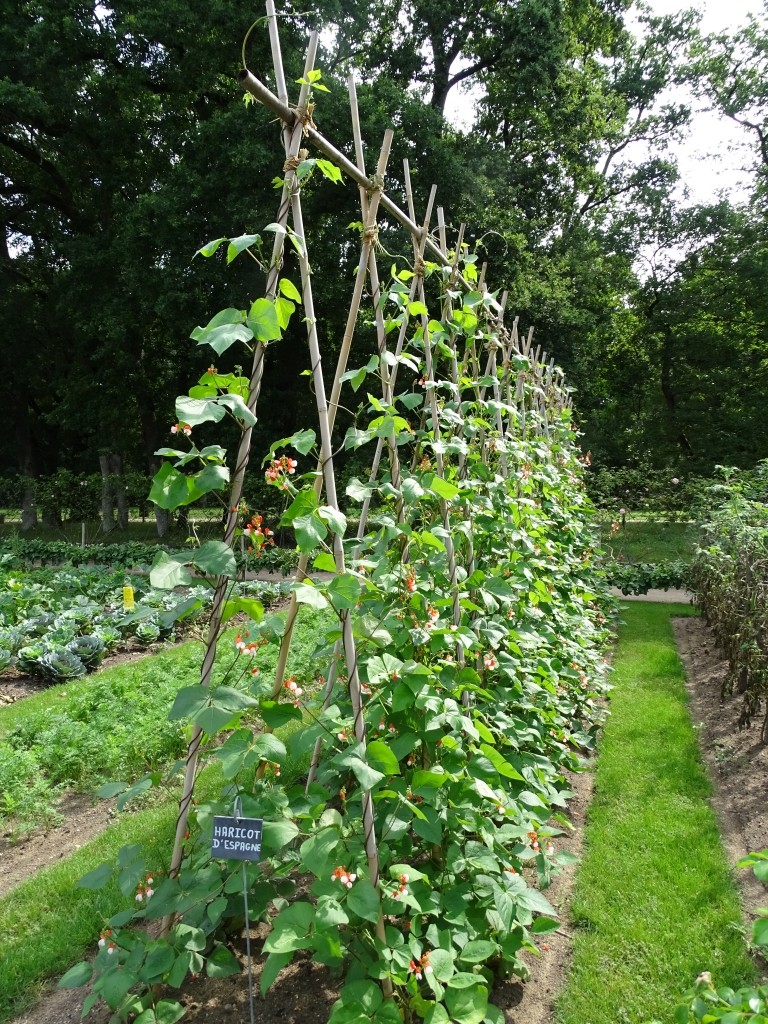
point(147, 632)
point(89, 649)
point(61, 665)
point(109, 635)
point(29, 658)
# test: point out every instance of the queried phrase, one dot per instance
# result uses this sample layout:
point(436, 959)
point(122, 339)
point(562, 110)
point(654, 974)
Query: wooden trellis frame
point(527, 391)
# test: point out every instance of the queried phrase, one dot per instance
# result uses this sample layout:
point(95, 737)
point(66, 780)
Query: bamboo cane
point(223, 582)
point(368, 211)
point(418, 264)
point(329, 481)
point(341, 367)
point(250, 83)
point(350, 655)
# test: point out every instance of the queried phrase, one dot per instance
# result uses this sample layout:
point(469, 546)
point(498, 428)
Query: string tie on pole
point(294, 161)
point(304, 115)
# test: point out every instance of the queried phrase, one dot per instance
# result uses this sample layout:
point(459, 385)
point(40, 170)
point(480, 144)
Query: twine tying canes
point(304, 115)
point(293, 162)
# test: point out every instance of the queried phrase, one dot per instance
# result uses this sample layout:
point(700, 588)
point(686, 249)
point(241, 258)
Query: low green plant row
point(640, 577)
point(131, 554)
point(109, 726)
point(58, 626)
point(126, 555)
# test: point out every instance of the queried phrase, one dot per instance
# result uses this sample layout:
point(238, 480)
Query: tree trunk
point(150, 435)
point(441, 73)
point(162, 520)
point(668, 392)
point(26, 454)
point(118, 485)
point(107, 497)
point(28, 510)
point(50, 520)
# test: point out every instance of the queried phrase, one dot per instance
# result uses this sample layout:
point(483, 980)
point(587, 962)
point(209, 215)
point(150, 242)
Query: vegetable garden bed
point(85, 730)
point(304, 993)
point(58, 625)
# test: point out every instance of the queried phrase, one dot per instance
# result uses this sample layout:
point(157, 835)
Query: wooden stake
point(223, 583)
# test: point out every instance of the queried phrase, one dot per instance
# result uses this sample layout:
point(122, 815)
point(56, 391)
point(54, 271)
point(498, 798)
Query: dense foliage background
point(125, 145)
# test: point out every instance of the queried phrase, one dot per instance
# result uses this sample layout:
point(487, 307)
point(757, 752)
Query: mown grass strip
point(654, 902)
point(639, 541)
point(182, 660)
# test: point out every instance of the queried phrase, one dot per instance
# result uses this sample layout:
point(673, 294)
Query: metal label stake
point(239, 838)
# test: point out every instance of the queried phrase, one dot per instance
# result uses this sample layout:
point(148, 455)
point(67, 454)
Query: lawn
point(645, 541)
point(654, 903)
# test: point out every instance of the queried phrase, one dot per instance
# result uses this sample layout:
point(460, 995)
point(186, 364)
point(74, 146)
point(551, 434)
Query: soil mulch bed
point(304, 993)
point(15, 685)
point(84, 819)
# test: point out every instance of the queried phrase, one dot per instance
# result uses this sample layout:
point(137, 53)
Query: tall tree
point(732, 72)
point(124, 144)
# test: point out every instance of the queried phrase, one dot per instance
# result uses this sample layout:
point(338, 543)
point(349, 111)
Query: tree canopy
point(125, 145)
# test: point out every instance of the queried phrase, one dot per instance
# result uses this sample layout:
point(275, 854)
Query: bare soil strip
point(736, 760)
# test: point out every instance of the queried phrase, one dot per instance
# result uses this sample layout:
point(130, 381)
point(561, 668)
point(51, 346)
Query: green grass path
point(47, 923)
point(654, 902)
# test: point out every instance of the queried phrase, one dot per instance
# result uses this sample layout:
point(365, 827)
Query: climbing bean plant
point(729, 576)
point(462, 656)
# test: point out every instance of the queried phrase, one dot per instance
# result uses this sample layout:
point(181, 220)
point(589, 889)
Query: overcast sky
point(706, 165)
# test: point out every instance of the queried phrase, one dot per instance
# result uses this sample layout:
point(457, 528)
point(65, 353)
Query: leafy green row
point(729, 577)
point(125, 555)
point(59, 625)
point(639, 578)
point(113, 725)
